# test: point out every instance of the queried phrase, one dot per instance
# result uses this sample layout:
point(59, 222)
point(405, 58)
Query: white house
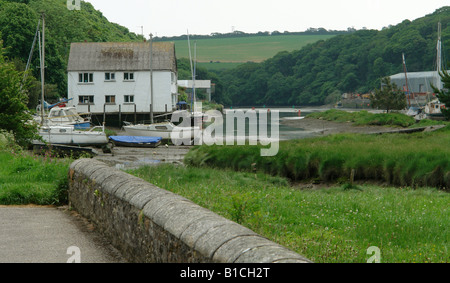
point(115, 77)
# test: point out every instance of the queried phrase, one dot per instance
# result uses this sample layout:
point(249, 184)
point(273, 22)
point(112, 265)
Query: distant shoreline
point(330, 127)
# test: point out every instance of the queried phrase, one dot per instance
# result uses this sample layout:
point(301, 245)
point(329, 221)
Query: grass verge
point(328, 225)
point(30, 179)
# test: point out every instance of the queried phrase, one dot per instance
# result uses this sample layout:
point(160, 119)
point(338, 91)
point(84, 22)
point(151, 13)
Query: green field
point(243, 49)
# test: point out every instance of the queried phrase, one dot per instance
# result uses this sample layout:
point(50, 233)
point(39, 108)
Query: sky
point(177, 17)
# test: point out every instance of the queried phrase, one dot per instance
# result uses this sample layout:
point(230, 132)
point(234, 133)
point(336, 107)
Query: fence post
point(104, 113)
point(120, 115)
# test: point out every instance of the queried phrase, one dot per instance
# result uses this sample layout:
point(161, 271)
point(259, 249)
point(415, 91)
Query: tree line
point(237, 33)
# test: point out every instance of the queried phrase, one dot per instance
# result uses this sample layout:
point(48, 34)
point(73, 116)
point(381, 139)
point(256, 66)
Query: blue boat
point(136, 141)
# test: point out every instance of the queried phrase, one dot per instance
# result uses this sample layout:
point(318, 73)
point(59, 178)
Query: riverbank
point(417, 159)
point(324, 127)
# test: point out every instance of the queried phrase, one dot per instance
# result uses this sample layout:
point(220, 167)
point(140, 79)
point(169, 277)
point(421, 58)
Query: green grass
point(243, 49)
point(365, 118)
point(417, 160)
point(327, 225)
point(29, 179)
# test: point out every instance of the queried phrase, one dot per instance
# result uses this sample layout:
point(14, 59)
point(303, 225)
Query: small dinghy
point(135, 141)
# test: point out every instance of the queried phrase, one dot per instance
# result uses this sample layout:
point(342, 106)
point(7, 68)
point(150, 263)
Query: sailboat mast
point(42, 68)
point(439, 58)
point(406, 79)
point(194, 74)
point(151, 78)
point(192, 71)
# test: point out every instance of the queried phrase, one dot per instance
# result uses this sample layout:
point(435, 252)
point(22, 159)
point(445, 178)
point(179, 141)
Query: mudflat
point(324, 127)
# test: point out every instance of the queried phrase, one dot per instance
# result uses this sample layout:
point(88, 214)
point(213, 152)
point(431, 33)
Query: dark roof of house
point(121, 56)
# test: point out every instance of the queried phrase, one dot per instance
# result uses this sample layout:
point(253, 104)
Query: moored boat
point(66, 116)
point(68, 135)
point(136, 141)
point(165, 130)
point(433, 109)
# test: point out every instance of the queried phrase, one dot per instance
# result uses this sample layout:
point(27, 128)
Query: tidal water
point(285, 132)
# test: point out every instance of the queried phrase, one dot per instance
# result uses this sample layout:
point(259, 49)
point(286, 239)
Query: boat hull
point(136, 141)
point(70, 136)
point(167, 131)
point(142, 130)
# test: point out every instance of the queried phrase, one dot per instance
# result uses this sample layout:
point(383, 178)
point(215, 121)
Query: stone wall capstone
point(149, 224)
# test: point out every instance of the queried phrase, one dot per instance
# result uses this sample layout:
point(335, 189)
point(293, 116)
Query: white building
point(115, 77)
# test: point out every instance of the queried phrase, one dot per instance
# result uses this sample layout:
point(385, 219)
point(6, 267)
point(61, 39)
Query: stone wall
point(149, 224)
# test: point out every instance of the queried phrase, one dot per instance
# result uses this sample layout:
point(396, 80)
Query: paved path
point(36, 234)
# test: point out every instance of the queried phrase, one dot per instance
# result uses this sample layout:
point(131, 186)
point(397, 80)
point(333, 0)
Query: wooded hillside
point(313, 75)
point(345, 63)
point(18, 23)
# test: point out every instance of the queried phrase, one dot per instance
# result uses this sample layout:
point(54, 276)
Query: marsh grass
point(361, 118)
point(365, 118)
point(416, 160)
point(327, 225)
point(408, 222)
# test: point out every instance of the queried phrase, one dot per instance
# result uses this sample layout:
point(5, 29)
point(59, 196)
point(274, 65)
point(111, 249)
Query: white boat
point(68, 135)
point(66, 116)
point(165, 130)
point(433, 109)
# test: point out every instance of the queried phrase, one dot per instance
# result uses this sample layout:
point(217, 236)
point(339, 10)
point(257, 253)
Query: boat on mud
point(165, 130)
point(66, 116)
point(136, 141)
point(68, 135)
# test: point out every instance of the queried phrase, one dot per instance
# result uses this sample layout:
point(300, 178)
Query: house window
point(110, 99)
point(109, 77)
point(86, 99)
point(85, 78)
point(129, 98)
point(128, 76)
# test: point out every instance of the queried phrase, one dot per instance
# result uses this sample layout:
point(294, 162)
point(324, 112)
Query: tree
point(17, 27)
point(444, 94)
point(389, 97)
point(14, 115)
